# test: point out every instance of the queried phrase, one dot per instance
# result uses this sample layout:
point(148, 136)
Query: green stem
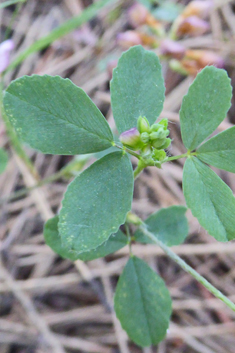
point(189, 269)
point(140, 167)
point(185, 155)
point(177, 157)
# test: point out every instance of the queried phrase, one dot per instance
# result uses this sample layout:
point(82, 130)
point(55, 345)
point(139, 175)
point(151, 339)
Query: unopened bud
point(158, 143)
point(159, 155)
point(146, 152)
point(160, 134)
point(131, 138)
point(143, 124)
point(5, 49)
point(171, 48)
point(193, 26)
point(137, 15)
point(200, 8)
point(128, 39)
point(144, 137)
point(166, 144)
point(163, 122)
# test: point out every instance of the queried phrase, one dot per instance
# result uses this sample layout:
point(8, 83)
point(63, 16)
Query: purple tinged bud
point(131, 138)
point(5, 48)
point(128, 39)
point(137, 15)
point(200, 8)
point(171, 48)
point(193, 26)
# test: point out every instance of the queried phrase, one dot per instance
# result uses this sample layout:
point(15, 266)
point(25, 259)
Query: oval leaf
point(168, 225)
point(210, 199)
point(53, 240)
point(54, 116)
point(96, 203)
point(3, 160)
point(142, 303)
point(205, 106)
point(137, 88)
point(219, 151)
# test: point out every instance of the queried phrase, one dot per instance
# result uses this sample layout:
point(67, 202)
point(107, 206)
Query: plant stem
point(177, 157)
point(185, 155)
point(189, 269)
point(140, 167)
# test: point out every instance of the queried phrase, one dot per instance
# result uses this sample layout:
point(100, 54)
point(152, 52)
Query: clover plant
point(54, 116)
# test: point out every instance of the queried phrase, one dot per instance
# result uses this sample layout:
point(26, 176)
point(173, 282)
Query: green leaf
point(54, 116)
point(137, 88)
point(168, 225)
point(219, 151)
point(96, 203)
point(210, 199)
point(53, 240)
point(3, 160)
point(142, 303)
point(205, 106)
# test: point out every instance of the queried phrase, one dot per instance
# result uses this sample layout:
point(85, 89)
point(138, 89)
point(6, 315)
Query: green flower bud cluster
point(150, 140)
point(154, 139)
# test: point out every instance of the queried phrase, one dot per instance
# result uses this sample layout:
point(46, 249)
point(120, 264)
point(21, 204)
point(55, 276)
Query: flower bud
point(158, 143)
point(171, 48)
point(5, 48)
point(160, 134)
point(144, 137)
point(146, 152)
point(159, 155)
point(137, 15)
point(128, 39)
point(143, 124)
point(199, 8)
point(166, 144)
point(193, 26)
point(131, 138)
point(163, 122)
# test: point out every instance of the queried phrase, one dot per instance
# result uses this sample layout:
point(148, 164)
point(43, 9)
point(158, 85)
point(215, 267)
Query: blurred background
point(48, 304)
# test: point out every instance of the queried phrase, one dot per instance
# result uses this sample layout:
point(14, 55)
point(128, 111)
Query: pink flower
point(131, 138)
point(5, 48)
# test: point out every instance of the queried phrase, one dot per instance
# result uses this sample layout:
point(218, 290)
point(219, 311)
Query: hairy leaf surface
point(96, 203)
point(205, 106)
point(142, 303)
point(137, 88)
point(168, 225)
point(54, 116)
point(219, 151)
point(210, 199)
point(53, 240)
